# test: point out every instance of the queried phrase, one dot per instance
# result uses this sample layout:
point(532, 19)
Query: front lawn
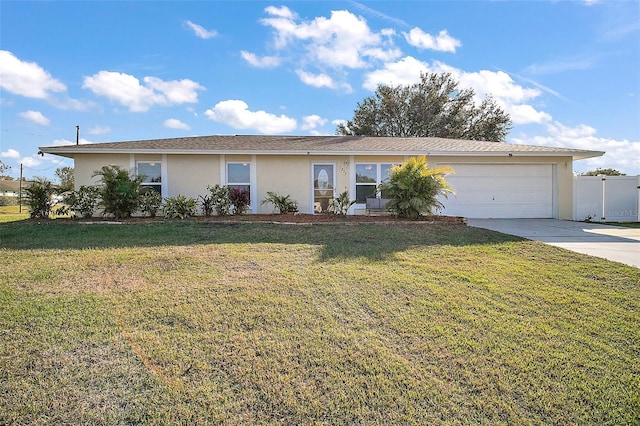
point(205, 323)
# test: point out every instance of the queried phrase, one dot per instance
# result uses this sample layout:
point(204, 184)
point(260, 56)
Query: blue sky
point(567, 72)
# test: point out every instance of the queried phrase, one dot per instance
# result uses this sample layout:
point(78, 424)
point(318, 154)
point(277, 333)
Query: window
point(152, 176)
point(368, 177)
point(239, 176)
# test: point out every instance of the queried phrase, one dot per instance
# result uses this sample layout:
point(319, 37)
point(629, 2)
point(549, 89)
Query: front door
point(323, 188)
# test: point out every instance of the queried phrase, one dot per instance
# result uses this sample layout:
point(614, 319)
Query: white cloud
point(30, 161)
point(236, 113)
point(175, 91)
point(281, 12)
point(70, 104)
point(174, 123)
point(10, 153)
point(26, 78)
point(127, 90)
point(322, 80)
point(35, 117)
point(623, 155)
point(403, 72)
point(511, 96)
point(310, 122)
point(525, 114)
point(200, 31)
point(264, 62)
point(443, 42)
point(343, 40)
point(99, 130)
point(316, 80)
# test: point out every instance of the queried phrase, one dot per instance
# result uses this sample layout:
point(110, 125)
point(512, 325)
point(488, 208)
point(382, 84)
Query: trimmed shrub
point(179, 207)
point(84, 201)
point(150, 202)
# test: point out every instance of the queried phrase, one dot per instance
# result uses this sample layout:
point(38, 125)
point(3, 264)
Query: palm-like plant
point(413, 188)
point(284, 203)
point(120, 191)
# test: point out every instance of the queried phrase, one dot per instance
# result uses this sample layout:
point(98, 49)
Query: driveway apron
point(608, 242)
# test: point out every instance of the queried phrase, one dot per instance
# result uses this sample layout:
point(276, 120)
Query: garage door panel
point(501, 191)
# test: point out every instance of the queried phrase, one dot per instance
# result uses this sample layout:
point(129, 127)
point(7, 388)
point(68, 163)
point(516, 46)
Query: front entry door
point(323, 188)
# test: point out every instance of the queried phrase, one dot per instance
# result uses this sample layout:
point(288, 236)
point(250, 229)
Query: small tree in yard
point(40, 198)
point(66, 178)
point(413, 188)
point(120, 191)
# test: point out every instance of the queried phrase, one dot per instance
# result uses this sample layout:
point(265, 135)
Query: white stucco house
point(491, 180)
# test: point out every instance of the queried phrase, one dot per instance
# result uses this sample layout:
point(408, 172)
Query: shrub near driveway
point(189, 322)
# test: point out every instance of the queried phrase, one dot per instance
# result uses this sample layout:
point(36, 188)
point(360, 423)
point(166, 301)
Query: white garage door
point(501, 191)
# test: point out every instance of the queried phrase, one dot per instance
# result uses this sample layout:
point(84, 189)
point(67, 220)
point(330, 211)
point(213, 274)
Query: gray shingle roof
point(317, 145)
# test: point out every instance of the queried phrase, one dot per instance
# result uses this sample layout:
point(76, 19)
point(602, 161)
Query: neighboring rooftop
point(316, 145)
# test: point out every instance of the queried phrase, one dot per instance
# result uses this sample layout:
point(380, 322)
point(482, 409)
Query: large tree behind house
point(433, 107)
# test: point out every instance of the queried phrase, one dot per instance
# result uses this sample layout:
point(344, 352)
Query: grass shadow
point(371, 240)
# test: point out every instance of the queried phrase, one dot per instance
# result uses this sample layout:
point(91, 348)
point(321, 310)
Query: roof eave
point(70, 152)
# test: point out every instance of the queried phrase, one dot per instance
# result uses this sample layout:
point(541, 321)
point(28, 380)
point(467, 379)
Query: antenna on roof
point(77, 135)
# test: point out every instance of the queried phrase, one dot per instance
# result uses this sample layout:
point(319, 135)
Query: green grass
point(196, 323)
point(625, 224)
point(12, 213)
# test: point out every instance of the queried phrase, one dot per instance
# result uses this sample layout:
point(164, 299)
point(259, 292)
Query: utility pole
point(20, 192)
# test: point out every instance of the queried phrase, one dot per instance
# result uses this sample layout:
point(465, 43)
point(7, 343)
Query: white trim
point(333, 168)
point(352, 182)
point(223, 169)
point(164, 176)
point(378, 165)
point(253, 182)
point(555, 204)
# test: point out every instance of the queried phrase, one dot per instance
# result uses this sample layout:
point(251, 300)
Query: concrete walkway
point(595, 239)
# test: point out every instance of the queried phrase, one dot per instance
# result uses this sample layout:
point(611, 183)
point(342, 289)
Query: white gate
point(606, 198)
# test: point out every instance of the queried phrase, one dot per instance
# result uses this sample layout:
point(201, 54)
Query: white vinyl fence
point(606, 198)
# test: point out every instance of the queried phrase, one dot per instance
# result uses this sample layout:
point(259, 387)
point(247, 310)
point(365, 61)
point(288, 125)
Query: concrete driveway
point(595, 239)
